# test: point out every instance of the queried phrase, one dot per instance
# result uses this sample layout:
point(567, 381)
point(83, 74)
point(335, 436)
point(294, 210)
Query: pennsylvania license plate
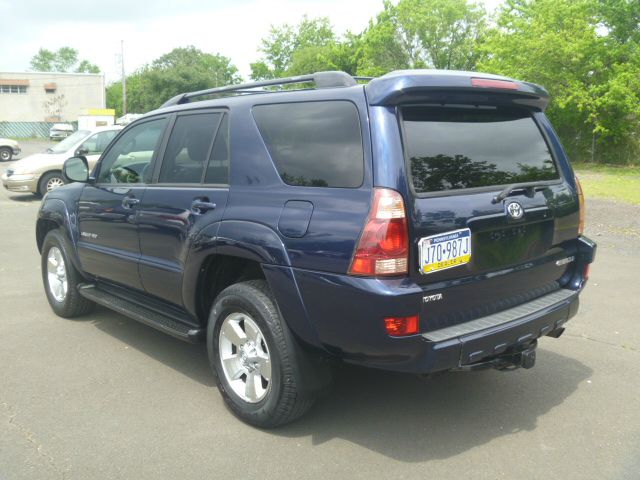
point(445, 250)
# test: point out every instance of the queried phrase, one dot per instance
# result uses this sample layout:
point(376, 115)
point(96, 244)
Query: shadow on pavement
point(400, 416)
point(190, 360)
point(25, 198)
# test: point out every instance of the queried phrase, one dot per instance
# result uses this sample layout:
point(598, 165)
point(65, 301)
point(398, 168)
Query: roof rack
point(330, 79)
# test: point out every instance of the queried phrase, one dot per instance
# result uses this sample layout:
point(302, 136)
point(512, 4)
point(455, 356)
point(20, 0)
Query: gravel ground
point(104, 397)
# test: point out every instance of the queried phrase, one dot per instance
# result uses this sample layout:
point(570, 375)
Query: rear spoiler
point(448, 86)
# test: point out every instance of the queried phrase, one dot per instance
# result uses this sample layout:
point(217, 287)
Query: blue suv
point(418, 222)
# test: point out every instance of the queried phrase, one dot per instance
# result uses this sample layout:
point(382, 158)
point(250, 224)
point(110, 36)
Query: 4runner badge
point(515, 210)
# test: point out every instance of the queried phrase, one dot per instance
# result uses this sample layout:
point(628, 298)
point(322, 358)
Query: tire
point(61, 279)
point(5, 154)
point(50, 181)
point(244, 306)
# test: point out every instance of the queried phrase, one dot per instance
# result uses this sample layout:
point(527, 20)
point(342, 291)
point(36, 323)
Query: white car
point(42, 172)
point(60, 130)
point(8, 148)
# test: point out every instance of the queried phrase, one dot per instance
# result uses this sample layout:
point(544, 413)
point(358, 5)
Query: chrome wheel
point(53, 183)
point(57, 275)
point(5, 154)
point(244, 357)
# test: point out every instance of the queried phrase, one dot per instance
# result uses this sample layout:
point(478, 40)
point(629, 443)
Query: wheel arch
point(238, 251)
point(53, 215)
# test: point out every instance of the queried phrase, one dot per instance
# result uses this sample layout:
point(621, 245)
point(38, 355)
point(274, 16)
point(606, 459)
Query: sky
point(152, 28)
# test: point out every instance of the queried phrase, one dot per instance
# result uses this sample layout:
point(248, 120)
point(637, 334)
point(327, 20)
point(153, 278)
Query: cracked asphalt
point(104, 397)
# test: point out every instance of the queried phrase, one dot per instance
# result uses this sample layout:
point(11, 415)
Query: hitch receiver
point(523, 355)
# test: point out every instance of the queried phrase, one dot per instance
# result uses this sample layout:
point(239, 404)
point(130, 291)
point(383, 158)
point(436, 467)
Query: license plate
point(445, 250)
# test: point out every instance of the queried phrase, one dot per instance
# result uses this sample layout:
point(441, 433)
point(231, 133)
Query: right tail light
point(581, 205)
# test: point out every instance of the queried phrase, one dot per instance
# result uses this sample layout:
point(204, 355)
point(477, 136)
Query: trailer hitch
point(523, 355)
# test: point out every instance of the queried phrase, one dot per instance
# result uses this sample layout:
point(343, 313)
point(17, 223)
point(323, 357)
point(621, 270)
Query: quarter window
point(314, 144)
point(129, 160)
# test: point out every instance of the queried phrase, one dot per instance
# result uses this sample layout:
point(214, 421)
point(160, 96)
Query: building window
point(50, 87)
point(13, 89)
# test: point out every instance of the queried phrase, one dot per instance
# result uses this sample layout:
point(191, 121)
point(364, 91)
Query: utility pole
point(124, 80)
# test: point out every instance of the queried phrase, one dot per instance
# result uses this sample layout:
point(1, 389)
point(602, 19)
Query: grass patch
point(610, 182)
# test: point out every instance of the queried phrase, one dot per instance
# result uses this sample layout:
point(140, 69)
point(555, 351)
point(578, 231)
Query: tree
point(64, 59)
point(181, 70)
point(442, 34)
point(286, 42)
point(587, 61)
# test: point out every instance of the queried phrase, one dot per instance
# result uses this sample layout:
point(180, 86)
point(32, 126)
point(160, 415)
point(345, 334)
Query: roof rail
point(330, 79)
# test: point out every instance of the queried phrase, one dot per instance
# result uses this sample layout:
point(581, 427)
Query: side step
point(142, 314)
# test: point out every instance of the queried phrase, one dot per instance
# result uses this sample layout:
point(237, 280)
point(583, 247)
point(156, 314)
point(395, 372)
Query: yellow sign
point(98, 112)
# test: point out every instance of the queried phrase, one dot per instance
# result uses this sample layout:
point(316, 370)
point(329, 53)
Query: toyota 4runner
point(418, 222)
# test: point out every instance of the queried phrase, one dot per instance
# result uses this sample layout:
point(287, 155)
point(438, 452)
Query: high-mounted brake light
point(383, 248)
point(581, 206)
point(490, 83)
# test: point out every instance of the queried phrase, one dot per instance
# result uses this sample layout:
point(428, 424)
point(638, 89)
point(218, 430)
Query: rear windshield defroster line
point(459, 148)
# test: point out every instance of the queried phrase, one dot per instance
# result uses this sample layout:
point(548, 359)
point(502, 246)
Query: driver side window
point(129, 160)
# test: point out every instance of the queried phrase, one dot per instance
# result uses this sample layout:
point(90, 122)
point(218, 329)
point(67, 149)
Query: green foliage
point(589, 65)
point(289, 50)
point(65, 59)
point(181, 70)
point(442, 34)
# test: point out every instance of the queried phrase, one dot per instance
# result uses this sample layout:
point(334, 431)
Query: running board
point(142, 314)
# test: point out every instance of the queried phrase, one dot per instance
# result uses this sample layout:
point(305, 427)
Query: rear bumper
point(347, 314)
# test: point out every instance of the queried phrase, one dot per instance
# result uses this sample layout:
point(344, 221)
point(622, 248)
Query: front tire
point(5, 154)
point(61, 279)
point(251, 351)
point(50, 181)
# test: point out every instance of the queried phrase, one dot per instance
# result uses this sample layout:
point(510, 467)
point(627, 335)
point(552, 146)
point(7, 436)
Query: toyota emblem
point(515, 210)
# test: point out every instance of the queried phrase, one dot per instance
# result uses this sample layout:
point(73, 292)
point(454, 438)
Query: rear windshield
point(451, 148)
point(314, 144)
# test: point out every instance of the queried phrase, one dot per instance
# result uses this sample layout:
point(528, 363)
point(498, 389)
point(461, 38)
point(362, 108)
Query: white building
point(49, 96)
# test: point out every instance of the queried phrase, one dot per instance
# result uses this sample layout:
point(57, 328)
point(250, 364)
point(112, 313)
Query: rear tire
point(5, 154)
point(61, 279)
point(254, 357)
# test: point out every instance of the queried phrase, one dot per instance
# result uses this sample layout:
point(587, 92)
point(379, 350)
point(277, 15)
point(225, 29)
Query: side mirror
point(76, 169)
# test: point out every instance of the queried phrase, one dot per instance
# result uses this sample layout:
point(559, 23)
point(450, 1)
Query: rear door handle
point(130, 202)
point(200, 206)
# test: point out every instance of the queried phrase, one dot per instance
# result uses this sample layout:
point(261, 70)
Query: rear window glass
point(314, 144)
point(452, 148)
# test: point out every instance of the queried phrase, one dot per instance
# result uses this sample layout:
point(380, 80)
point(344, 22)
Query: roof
point(398, 87)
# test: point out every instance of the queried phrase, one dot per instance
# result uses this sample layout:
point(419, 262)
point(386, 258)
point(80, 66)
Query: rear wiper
point(529, 190)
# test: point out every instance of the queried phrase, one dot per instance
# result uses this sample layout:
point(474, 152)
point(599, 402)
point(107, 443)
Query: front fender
point(56, 211)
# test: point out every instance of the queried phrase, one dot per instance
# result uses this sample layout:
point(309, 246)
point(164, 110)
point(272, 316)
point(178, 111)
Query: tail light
point(581, 205)
point(383, 248)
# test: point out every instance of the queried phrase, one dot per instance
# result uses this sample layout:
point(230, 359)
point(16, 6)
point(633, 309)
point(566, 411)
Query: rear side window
point(314, 144)
point(453, 148)
point(189, 147)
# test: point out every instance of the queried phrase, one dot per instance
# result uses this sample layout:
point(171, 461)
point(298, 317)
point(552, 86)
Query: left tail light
point(383, 248)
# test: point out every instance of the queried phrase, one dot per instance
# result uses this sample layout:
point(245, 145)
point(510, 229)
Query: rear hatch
point(488, 209)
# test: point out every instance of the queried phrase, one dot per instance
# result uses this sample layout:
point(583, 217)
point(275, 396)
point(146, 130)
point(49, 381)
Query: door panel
point(168, 223)
point(109, 247)
point(180, 205)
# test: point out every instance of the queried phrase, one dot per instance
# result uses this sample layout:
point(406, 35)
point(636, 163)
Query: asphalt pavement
point(103, 397)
